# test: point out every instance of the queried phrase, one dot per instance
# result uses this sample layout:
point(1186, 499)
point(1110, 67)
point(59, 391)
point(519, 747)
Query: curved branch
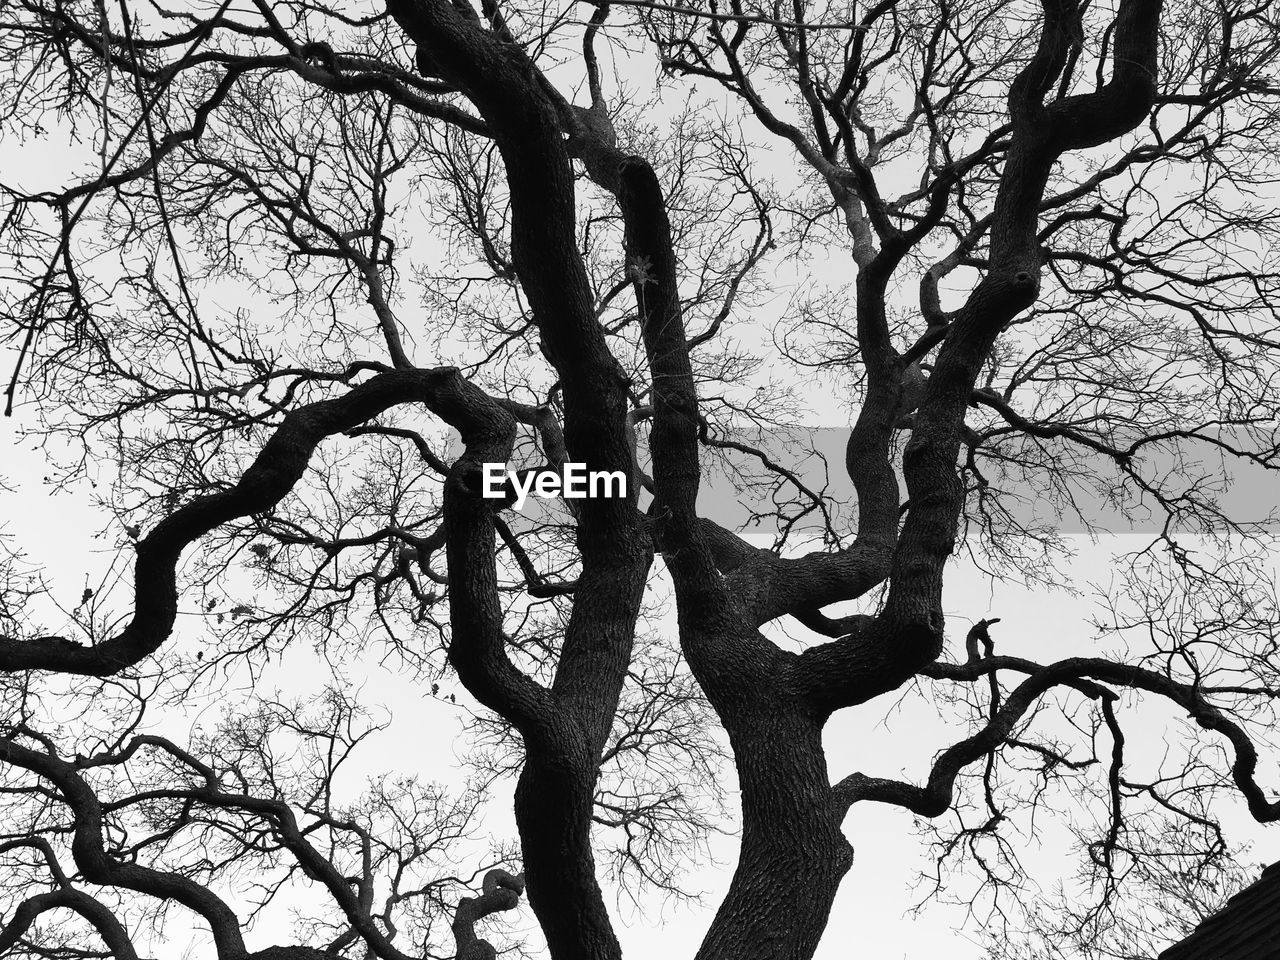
point(97, 865)
point(934, 798)
point(501, 892)
point(103, 920)
point(101, 866)
point(273, 474)
point(1085, 674)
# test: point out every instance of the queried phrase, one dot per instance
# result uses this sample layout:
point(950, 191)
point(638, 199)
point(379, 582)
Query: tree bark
point(793, 853)
point(553, 805)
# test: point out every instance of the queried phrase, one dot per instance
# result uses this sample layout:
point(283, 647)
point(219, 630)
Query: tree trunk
point(793, 853)
point(553, 805)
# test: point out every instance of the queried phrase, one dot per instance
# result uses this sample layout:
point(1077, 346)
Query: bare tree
point(1055, 223)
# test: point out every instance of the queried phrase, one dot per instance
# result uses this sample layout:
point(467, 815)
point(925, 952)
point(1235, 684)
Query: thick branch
point(270, 477)
point(97, 866)
point(103, 920)
point(501, 892)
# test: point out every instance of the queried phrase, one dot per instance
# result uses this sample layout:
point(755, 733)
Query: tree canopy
point(281, 278)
